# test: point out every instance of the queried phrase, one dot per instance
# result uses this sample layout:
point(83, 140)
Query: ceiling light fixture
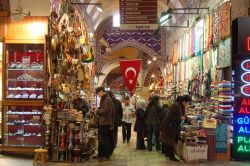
point(154, 58)
point(149, 61)
point(98, 5)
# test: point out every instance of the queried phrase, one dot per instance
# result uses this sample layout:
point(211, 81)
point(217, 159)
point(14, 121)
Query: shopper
point(140, 126)
point(171, 126)
point(80, 104)
point(106, 115)
point(118, 117)
point(128, 111)
point(153, 120)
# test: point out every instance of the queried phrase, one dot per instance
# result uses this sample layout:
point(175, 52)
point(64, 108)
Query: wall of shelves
point(23, 84)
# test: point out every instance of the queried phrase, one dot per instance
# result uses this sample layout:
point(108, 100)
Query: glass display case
point(22, 126)
point(24, 78)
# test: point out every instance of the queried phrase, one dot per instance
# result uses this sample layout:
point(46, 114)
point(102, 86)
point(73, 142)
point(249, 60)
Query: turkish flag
point(130, 70)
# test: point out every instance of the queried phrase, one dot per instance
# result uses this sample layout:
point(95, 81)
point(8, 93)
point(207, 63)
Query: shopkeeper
point(80, 104)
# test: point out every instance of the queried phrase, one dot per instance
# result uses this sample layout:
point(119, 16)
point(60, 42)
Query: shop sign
point(138, 15)
point(241, 88)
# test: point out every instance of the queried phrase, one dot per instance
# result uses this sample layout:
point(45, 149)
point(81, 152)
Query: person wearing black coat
point(118, 116)
point(171, 126)
point(140, 126)
point(153, 120)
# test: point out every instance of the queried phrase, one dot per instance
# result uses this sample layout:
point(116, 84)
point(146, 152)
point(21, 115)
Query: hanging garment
point(199, 28)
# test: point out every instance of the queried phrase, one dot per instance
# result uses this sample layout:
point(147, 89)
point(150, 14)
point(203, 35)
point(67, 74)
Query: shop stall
point(69, 131)
point(24, 68)
point(200, 60)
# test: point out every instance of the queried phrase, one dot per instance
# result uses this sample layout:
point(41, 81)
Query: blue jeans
point(153, 129)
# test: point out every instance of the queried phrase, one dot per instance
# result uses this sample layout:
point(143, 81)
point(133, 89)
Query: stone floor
point(124, 155)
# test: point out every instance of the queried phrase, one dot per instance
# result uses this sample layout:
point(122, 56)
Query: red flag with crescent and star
point(130, 71)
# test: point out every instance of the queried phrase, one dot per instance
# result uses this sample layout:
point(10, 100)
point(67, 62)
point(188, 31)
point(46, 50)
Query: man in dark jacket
point(118, 116)
point(153, 120)
point(106, 115)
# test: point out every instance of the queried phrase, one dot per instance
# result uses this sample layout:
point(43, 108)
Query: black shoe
point(128, 142)
point(150, 150)
point(96, 157)
point(174, 159)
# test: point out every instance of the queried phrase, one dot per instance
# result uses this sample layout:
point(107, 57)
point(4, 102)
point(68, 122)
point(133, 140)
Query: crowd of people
point(159, 124)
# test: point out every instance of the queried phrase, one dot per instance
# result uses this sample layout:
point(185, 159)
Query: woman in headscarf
point(140, 126)
point(171, 126)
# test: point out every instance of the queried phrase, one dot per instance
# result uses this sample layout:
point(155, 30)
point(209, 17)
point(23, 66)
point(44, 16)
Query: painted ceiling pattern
point(114, 36)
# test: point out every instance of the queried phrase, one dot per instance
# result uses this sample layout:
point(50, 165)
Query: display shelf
point(22, 125)
point(25, 69)
point(15, 80)
point(24, 113)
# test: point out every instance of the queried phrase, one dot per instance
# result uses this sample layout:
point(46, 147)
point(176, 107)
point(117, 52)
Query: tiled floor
point(124, 155)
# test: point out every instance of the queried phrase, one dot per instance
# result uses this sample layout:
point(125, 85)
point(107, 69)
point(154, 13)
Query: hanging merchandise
point(175, 53)
point(208, 37)
point(225, 20)
point(224, 54)
point(192, 41)
point(199, 37)
point(216, 22)
point(186, 45)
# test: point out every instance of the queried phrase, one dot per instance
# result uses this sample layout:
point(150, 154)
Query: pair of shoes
point(128, 142)
point(174, 159)
point(96, 157)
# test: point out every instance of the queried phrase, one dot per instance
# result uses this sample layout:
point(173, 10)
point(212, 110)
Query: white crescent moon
point(130, 69)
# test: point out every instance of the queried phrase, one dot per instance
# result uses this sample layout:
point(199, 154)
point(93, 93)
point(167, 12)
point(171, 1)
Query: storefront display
point(23, 83)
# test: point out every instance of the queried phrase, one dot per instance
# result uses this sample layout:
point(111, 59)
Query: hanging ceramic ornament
point(63, 23)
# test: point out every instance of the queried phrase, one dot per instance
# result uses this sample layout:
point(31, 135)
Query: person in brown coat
point(106, 115)
point(171, 126)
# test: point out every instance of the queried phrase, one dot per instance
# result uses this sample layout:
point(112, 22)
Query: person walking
point(171, 126)
point(140, 126)
point(153, 120)
point(106, 116)
point(128, 111)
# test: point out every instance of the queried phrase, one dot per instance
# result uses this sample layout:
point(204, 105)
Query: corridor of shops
point(169, 78)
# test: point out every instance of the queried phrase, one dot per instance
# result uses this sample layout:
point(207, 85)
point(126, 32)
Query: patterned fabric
point(199, 28)
point(225, 20)
point(216, 22)
point(224, 55)
point(208, 33)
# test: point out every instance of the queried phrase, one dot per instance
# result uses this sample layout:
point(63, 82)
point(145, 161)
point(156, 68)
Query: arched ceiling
point(112, 6)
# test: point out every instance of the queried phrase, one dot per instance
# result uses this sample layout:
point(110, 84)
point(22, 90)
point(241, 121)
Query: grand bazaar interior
point(124, 82)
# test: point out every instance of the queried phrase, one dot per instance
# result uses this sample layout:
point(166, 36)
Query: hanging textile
point(225, 20)
point(192, 42)
point(214, 57)
point(208, 31)
point(175, 51)
point(186, 45)
point(224, 53)
point(199, 28)
point(216, 23)
point(206, 61)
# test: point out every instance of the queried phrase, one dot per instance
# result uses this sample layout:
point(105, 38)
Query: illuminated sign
point(245, 65)
point(246, 77)
point(241, 88)
point(248, 43)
